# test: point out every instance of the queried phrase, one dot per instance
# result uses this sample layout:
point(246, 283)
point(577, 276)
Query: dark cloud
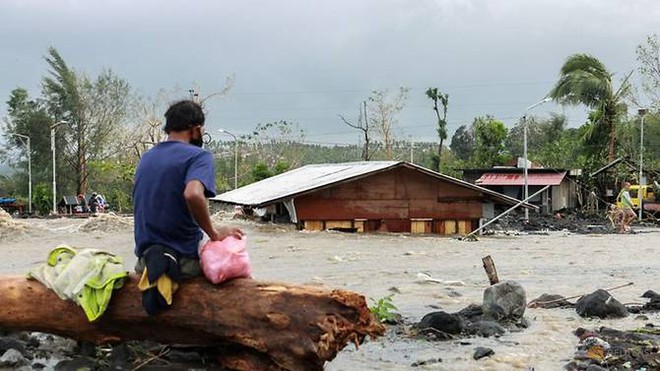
point(307, 61)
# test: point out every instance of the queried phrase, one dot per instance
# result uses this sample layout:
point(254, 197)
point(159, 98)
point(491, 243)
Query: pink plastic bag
point(225, 260)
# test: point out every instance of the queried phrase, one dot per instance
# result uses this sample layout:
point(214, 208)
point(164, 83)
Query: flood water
point(377, 265)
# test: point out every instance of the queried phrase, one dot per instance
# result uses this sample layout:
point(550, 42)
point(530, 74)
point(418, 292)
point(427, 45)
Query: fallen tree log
point(255, 325)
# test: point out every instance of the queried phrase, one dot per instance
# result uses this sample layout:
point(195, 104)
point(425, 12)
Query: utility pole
point(52, 148)
point(235, 155)
point(525, 174)
point(642, 113)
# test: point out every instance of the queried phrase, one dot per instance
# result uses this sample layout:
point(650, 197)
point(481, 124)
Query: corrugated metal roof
point(517, 179)
point(313, 177)
point(616, 161)
point(300, 180)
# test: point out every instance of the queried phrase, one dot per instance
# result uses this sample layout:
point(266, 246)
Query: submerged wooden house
point(368, 196)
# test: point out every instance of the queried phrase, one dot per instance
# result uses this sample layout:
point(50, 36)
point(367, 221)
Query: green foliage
point(383, 309)
point(565, 152)
point(114, 180)
point(489, 138)
point(260, 171)
point(652, 140)
point(462, 143)
point(27, 116)
point(120, 200)
point(94, 110)
point(584, 80)
point(281, 167)
point(435, 95)
point(42, 198)
point(7, 185)
point(540, 133)
point(628, 134)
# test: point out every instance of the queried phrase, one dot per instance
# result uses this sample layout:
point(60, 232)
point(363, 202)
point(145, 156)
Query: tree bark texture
point(255, 325)
point(491, 271)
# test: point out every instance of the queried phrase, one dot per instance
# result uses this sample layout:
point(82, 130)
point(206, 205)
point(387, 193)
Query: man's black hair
point(183, 115)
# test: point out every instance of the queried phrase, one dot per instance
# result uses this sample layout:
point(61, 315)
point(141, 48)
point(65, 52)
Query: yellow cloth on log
point(166, 287)
point(85, 276)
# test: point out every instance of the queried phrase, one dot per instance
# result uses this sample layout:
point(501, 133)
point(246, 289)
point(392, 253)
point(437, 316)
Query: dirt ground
point(377, 265)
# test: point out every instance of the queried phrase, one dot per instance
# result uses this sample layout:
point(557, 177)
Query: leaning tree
point(584, 80)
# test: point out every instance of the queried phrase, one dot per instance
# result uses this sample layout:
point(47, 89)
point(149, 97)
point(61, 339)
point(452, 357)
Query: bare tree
point(383, 114)
point(224, 91)
point(275, 142)
point(363, 126)
point(149, 113)
point(648, 56)
point(435, 95)
point(148, 128)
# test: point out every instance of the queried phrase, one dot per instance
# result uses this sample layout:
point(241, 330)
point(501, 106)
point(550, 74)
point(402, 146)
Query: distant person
point(172, 182)
point(103, 204)
point(93, 204)
point(82, 204)
point(628, 215)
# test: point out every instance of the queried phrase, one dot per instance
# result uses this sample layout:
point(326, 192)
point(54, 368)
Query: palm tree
point(583, 79)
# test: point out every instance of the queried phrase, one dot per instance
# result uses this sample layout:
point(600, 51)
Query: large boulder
point(600, 304)
point(12, 359)
point(442, 321)
point(8, 342)
point(504, 302)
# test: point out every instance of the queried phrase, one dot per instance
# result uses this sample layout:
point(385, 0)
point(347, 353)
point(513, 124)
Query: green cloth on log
point(85, 276)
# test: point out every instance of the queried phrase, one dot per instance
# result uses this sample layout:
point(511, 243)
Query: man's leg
point(630, 216)
point(620, 220)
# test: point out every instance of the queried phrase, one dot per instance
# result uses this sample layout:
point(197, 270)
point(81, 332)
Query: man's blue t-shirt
point(161, 214)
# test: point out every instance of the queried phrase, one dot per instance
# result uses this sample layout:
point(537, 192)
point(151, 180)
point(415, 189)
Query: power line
point(457, 123)
point(335, 109)
point(352, 91)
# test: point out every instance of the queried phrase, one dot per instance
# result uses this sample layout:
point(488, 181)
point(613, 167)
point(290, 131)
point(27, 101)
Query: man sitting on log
point(171, 214)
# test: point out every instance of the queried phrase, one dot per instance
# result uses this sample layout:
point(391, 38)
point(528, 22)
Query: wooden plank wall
point(393, 198)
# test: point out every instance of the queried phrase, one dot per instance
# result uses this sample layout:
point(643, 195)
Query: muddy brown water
point(377, 265)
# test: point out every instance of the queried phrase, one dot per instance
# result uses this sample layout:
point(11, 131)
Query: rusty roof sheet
point(517, 179)
point(310, 178)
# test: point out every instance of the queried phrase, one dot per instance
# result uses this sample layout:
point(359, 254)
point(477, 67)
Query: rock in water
point(486, 328)
point(547, 301)
point(481, 352)
point(600, 304)
point(442, 321)
point(12, 358)
point(504, 302)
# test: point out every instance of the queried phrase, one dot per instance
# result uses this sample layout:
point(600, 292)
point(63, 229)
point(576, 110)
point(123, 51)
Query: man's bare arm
point(194, 196)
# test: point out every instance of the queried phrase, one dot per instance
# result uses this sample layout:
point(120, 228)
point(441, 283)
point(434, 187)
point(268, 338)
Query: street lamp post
point(235, 156)
point(52, 148)
point(525, 173)
point(29, 156)
point(642, 113)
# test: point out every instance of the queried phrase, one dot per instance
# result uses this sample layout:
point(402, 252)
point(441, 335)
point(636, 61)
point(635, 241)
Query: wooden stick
point(534, 304)
point(491, 271)
point(162, 352)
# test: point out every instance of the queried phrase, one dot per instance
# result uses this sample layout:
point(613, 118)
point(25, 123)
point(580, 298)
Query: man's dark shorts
point(189, 267)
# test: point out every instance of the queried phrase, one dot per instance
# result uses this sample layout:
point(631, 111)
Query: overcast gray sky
point(307, 61)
